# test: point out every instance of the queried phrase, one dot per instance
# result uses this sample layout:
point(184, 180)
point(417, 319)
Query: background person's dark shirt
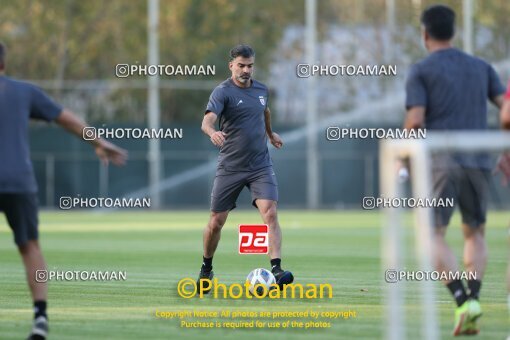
point(20, 101)
point(454, 88)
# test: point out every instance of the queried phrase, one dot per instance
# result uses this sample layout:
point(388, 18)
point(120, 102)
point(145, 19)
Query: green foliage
point(84, 40)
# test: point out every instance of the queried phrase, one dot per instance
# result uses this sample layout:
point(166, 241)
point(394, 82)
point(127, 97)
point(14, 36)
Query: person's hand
point(503, 166)
point(108, 152)
point(218, 138)
point(275, 140)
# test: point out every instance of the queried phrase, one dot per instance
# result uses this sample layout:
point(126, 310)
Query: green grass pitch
point(157, 249)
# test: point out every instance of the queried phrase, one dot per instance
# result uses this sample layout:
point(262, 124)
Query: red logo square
point(253, 239)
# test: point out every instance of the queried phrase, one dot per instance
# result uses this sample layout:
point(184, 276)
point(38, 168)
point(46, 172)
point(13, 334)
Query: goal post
point(419, 152)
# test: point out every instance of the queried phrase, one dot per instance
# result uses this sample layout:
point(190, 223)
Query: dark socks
point(458, 291)
point(474, 288)
point(40, 309)
point(207, 264)
point(275, 265)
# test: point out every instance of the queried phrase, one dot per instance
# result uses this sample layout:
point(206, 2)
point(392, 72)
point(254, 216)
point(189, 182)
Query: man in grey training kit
point(448, 90)
point(20, 102)
point(240, 104)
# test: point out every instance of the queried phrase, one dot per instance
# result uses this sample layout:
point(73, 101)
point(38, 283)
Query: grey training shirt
point(20, 101)
point(240, 113)
point(454, 88)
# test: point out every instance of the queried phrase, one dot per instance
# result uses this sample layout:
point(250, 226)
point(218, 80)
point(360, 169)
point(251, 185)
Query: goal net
point(420, 153)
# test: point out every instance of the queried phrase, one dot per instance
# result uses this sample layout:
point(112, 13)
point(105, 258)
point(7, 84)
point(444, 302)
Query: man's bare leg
point(212, 235)
point(475, 257)
point(34, 261)
point(268, 212)
point(445, 261)
point(212, 232)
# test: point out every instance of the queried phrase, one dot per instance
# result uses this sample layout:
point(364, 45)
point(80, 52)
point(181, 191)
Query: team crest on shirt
point(262, 100)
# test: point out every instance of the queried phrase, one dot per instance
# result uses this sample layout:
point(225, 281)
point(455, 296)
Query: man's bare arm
point(105, 150)
point(274, 138)
point(267, 120)
point(498, 101)
point(217, 137)
point(415, 118)
point(72, 123)
point(505, 115)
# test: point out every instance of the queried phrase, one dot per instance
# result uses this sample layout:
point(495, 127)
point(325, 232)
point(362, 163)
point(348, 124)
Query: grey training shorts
point(469, 188)
point(228, 185)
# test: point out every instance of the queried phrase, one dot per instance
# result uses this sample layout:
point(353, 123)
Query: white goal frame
point(419, 151)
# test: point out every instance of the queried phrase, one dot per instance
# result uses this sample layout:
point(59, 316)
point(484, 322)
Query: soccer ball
point(260, 276)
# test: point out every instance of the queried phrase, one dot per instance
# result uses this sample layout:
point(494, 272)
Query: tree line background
point(72, 40)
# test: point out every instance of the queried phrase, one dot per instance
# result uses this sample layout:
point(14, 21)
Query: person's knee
point(23, 249)
point(471, 232)
point(440, 233)
point(29, 247)
point(217, 221)
point(270, 214)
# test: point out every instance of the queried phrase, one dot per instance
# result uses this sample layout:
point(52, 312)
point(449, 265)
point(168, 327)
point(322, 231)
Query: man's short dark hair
point(3, 51)
point(244, 51)
point(439, 22)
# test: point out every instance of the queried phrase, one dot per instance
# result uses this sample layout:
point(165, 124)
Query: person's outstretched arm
point(106, 151)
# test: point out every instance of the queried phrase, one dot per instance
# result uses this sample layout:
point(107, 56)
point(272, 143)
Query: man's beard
point(243, 78)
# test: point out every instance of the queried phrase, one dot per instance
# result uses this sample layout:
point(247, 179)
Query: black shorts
point(21, 213)
point(469, 188)
point(227, 187)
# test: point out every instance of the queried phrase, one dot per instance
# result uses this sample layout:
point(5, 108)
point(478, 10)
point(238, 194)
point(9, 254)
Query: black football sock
point(40, 309)
point(275, 265)
point(458, 291)
point(474, 288)
point(207, 264)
